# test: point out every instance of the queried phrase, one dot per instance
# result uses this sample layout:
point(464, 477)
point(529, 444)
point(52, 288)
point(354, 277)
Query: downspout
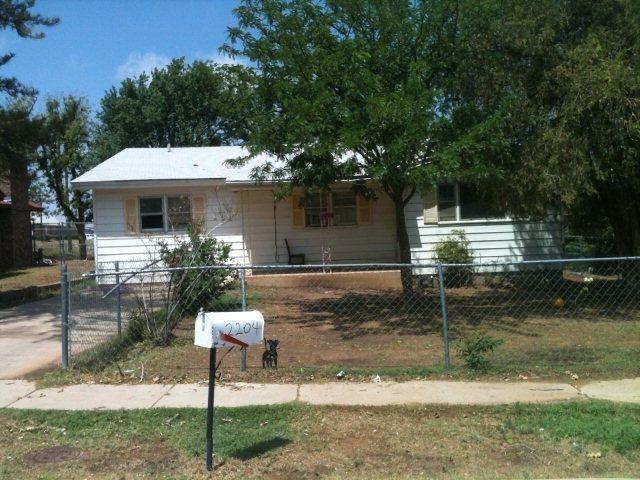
point(275, 227)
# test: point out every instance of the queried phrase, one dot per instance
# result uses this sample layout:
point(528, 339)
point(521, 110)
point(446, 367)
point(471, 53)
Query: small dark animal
point(270, 355)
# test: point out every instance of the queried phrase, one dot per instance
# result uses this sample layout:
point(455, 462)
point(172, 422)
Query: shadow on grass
point(260, 448)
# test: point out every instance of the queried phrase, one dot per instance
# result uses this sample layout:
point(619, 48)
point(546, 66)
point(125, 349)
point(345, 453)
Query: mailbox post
point(215, 330)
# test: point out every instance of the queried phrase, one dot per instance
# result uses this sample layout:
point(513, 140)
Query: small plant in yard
point(456, 248)
point(473, 351)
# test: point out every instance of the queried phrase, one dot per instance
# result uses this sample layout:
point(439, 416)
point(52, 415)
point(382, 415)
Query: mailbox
point(228, 329)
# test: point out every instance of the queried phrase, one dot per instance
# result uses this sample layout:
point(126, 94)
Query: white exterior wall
point(113, 243)
point(491, 240)
point(256, 239)
point(360, 243)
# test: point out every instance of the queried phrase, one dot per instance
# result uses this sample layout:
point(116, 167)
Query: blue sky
point(100, 42)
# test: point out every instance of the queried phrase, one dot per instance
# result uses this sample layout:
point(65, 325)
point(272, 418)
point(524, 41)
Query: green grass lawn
point(300, 441)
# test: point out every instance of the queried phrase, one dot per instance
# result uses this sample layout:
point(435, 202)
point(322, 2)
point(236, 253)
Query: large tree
point(19, 135)
point(18, 130)
point(555, 94)
point(198, 104)
point(63, 156)
point(350, 87)
point(16, 15)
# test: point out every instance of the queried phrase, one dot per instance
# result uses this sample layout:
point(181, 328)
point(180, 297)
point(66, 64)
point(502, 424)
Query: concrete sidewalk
point(23, 394)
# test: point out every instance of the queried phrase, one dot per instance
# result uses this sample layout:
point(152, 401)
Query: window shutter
point(131, 215)
point(365, 210)
point(430, 207)
point(199, 210)
point(297, 209)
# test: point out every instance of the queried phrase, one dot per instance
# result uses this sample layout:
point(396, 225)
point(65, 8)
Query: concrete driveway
point(29, 338)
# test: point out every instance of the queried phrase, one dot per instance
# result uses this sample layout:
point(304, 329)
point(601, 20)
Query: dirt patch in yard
point(55, 454)
point(592, 333)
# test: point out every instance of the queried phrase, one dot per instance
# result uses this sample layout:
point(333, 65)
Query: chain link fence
point(546, 315)
point(62, 241)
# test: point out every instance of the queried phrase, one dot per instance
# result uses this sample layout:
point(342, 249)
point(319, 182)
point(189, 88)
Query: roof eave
point(119, 184)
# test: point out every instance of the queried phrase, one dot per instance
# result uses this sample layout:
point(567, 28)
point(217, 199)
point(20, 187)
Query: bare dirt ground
point(323, 330)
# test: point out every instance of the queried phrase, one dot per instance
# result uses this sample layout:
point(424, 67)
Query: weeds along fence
point(549, 315)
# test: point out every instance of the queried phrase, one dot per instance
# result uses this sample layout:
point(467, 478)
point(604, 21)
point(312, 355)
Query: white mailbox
point(227, 329)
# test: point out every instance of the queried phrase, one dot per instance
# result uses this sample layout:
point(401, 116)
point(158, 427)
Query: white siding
point(265, 240)
point(255, 237)
point(491, 241)
point(112, 243)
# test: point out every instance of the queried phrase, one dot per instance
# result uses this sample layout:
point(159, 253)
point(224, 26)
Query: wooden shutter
point(298, 210)
point(430, 207)
point(365, 210)
point(199, 210)
point(131, 215)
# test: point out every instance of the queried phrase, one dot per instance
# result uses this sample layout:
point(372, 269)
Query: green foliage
point(455, 249)
point(191, 290)
point(198, 104)
point(62, 154)
point(352, 88)
point(473, 351)
point(550, 91)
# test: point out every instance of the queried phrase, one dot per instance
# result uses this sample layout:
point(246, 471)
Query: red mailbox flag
point(229, 339)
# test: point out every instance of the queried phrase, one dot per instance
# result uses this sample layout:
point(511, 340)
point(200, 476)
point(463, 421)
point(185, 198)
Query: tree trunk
point(20, 214)
point(625, 221)
point(403, 241)
point(624, 216)
point(82, 240)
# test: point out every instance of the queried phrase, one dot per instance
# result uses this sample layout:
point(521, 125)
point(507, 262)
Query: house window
point(473, 206)
point(151, 214)
point(340, 208)
point(447, 203)
point(178, 212)
point(460, 202)
point(345, 208)
point(316, 209)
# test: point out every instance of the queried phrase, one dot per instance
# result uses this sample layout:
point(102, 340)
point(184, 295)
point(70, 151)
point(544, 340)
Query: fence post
point(445, 323)
point(118, 298)
point(64, 317)
point(243, 292)
point(61, 241)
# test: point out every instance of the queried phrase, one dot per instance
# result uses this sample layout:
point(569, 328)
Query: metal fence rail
point(361, 316)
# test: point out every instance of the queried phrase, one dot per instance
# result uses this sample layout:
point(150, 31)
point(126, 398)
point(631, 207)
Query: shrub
point(163, 300)
point(456, 249)
point(191, 290)
point(473, 351)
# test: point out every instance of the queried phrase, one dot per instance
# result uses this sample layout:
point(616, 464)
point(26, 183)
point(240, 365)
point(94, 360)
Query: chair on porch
point(294, 258)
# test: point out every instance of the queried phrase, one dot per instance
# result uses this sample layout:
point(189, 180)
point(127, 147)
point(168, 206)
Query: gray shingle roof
point(160, 165)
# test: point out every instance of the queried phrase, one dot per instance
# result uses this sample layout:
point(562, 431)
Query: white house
point(143, 195)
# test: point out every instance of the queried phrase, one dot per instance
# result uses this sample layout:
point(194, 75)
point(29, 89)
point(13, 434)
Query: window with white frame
point(460, 202)
point(164, 213)
point(151, 214)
